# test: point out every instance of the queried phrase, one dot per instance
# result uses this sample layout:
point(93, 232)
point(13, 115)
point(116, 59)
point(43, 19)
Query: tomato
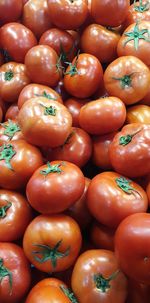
point(55, 186)
point(129, 151)
point(16, 39)
point(37, 90)
point(76, 149)
point(15, 277)
point(35, 16)
point(83, 76)
point(18, 161)
point(10, 10)
point(135, 41)
point(146, 99)
point(4, 106)
point(43, 65)
point(15, 215)
point(61, 41)
point(138, 114)
point(139, 10)
point(94, 118)
point(138, 292)
point(109, 13)
point(102, 236)
point(59, 88)
point(132, 243)
point(54, 122)
point(97, 278)
point(52, 243)
point(100, 154)
point(12, 112)
point(1, 58)
point(9, 131)
point(100, 42)
point(74, 105)
point(66, 14)
point(1, 114)
point(148, 191)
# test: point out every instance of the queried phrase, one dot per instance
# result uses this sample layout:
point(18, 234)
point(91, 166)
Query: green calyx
point(125, 81)
point(73, 67)
point(51, 169)
point(4, 272)
point(68, 292)
point(137, 35)
point(63, 54)
point(103, 284)
point(141, 8)
point(6, 153)
point(3, 209)
point(124, 184)
point(49, 110)
point(59, 67)
point(10, 128)
point(48, 96)
point(125, 140)
point(9, 75)
point(47, 253)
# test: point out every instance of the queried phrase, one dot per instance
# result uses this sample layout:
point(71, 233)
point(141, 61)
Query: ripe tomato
point(97, 278)
point(43, 65)
point(52, 243)
point(127, 78)
point(1, 114)
point(138, 114)
point(138, 11)
point(15, 276)
point(129, 151)
point(138, 292)
point(148, 192)
point(55, 186)
point(74, 105)
point(54, 122)
point(37, 90)
point(66, 14)
point(35, 16)
point(100, 42)
point(13, 78)
point(83, 76)
point(146, 99)
point(102, 236)
point(10, 10)
point(96, 120)
point(135, 41)
point(12, 112)
point(10, 131)
point(60, 89)
point(16, 39)
point(15, 215)
point(100, 156)
point(4, 106)
point(18, 161)
point(1, 58)
point(108, 12)
point(132, 247)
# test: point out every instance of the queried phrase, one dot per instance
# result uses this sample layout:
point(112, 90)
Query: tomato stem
point(6, 153)
point(102, 283)
point(3, 209)
point(73, 67)
point(136, 35)
point(49, 110)
point(4, 272)
point(44, 94)
point(10, 128)
point(9, 75)
point(141, 8)
point(125, 81)
point(48, 253)
point(124, 184)
point(55, 168)
point(125, 140)
point(68, 292)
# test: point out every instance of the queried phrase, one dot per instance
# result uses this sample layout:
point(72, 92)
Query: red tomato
point(52, 243)
point(4, 106)
point(60, 89)
point(102, 236)
point(12, 112)
point(15, 273)
point(138, 114)
point(139, 10)
point(55, 186)
point(138, 292)
point(16, 39)
point(148, 192)
point(1, 58)
point(1, 114)
point(74, 105)
point(146, 99)
point(10, 10)
point(9, 131)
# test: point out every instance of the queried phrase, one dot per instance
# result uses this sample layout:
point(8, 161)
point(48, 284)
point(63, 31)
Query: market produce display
point(74, 151)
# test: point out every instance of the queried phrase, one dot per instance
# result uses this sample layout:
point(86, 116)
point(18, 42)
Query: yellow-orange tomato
point(138, 114)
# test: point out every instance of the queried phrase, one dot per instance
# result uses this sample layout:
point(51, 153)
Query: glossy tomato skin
point(100, 42)
point(138, 292)
point(102, 236)
point(1, 114)
point(94, 118)
point(35, 16)
point(138, 11)
point(134, 232)
point(102, 202)
point(19, 160)
point(41, 61)
point(129, 151)
point(13, 259)
point(13, 78)
point(104, 11)
point(58, 230)
point(9, 131)
point(13, 9)
point(34, 90)
point(74, 105)
point(146, 99)
point(54, 122)
point(85, 80)
point(138, 114)
point(148, 192)
point(16, 39)
point(55, 186)
point(15, 215)
point(127, 78)
point(89, 267)
point(12, 112)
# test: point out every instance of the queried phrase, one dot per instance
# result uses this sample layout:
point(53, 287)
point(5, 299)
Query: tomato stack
point(74, 151)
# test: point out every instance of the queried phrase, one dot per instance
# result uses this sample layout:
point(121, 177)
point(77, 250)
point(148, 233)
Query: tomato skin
point(102, 236)
point(12, 84)
point(98, 262)
point(137, 78)
point(87, 77)
point(138, 114)
point(15, 261)
point(132, 159)
point(94, 118)
point(146, 99)
point(74, 105)
point(13, 9)
point(7, 135)
point(138, 292)
point(16, 39)
point(135, 15)
point(60, 89)
point(1, 114)
point(24, 162)
point(60, 191)
point(49, 230)
point(134, 232)
point(12, 112)
point(52, 129)
point(33, 90)
point(148, 192)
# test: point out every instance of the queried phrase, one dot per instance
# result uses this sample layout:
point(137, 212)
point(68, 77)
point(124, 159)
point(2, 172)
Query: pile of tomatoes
point(74, 151)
